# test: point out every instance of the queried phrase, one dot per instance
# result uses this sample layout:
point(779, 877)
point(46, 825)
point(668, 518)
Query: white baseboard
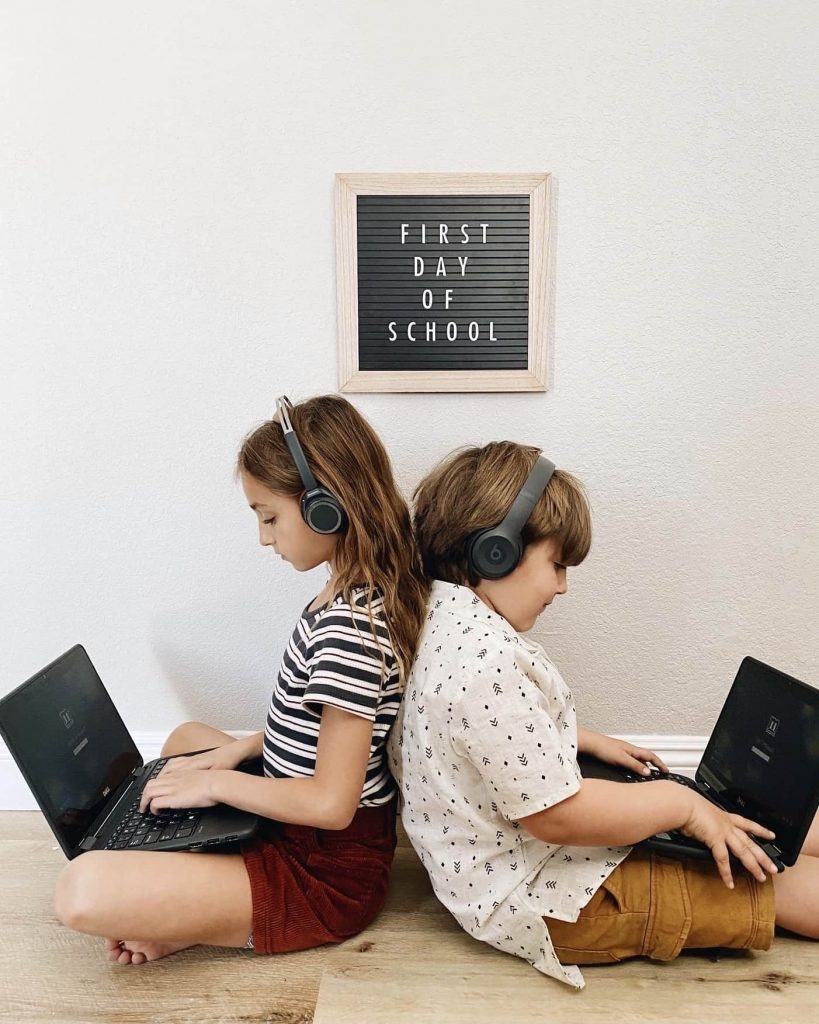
point(681, 754)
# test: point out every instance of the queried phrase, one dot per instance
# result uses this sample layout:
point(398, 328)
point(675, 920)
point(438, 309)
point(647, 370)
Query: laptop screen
point(763, 755)
point(70, 742)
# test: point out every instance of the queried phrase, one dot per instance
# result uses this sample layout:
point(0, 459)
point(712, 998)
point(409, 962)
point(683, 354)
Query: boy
point(525, 853)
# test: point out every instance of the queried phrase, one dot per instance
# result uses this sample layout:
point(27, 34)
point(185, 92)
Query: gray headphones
point(495, 552)
point(320, 509)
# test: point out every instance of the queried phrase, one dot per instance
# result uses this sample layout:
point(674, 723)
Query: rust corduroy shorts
point(310, 886)
point(656, 906)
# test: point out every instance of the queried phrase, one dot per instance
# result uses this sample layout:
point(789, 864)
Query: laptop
point(761, 761)
point(86, 773)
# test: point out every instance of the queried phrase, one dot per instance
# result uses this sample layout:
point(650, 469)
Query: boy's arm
point(606, 813)
point(491, 727)
point(613, 814)
point(590, 742)
point(620, 752)
point(586, 740)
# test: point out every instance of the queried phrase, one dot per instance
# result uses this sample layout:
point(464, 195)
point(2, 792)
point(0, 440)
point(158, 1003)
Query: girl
point(318, 870)
point(526, 854)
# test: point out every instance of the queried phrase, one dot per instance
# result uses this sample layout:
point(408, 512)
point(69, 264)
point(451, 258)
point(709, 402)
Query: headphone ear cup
point(322, 512)
point(493, 555)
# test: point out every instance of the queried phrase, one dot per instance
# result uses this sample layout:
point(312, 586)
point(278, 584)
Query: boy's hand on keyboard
point(182, 789)
point(723, 833)
point(622, 753)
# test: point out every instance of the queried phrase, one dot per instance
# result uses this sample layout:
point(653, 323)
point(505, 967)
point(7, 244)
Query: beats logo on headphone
point(320, 509)
point(495, 552)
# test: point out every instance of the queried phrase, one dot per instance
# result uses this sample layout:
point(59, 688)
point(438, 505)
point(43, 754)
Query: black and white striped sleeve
point(345, 664)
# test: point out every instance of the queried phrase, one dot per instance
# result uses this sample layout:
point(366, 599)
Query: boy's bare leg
point(186, 737)
point(796, 892)
point(811, 844)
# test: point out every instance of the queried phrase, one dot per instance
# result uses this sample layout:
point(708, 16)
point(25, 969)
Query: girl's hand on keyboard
point(226, 757)
point(183, 789)
point(723, 833)
point(620, 752)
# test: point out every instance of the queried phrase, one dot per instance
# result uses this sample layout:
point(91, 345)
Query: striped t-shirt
point(334, 658)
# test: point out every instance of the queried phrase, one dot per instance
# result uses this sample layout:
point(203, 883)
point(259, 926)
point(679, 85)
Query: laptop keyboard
point(673, 776)
point(149, 829)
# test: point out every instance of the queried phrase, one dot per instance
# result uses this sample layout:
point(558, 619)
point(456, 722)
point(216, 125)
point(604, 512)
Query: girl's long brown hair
point(377, 550)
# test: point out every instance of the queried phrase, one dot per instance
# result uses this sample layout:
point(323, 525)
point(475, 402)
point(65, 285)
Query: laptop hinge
point(99, 823)
point(706, 778)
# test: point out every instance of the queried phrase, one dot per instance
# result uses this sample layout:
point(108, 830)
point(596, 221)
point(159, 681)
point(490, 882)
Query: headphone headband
point(320, 509)
point(296, 450)
point(533, 486)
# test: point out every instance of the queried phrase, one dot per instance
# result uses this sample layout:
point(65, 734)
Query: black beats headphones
point(497, 551)
point(320, 509)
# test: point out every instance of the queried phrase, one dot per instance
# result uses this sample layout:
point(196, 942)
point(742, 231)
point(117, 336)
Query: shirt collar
point(457, 596)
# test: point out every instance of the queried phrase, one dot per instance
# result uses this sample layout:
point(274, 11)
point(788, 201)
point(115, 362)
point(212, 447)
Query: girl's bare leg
point(164, 900)
point(186, 737)
point(194, 736)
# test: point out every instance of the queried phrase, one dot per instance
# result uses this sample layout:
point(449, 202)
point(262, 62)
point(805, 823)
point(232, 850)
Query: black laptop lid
point(69, 742)
point(767, 735)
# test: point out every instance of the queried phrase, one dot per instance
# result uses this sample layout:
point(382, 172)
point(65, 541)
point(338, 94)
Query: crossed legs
point(163, 901)
point(168, 901)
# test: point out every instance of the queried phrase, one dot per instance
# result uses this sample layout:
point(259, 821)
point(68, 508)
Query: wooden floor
point(413, 965)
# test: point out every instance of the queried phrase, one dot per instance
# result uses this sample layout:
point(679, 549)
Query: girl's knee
point(181, 740)
point(77, 890)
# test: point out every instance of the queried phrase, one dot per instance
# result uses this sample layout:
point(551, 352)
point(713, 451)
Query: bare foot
point(132, 951)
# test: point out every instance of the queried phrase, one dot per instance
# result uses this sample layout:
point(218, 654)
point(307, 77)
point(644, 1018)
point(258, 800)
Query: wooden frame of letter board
point(541, 266)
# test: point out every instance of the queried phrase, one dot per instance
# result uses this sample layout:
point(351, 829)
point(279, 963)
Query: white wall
point(168, 269)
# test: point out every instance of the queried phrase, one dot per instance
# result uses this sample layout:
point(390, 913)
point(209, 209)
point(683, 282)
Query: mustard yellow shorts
point(656, 906)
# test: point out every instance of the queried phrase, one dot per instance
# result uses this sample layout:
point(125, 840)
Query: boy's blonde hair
point(473, 488)
point(377, 550)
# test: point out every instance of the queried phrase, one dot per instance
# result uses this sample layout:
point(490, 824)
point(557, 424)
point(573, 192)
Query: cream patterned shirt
point(487, 734)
